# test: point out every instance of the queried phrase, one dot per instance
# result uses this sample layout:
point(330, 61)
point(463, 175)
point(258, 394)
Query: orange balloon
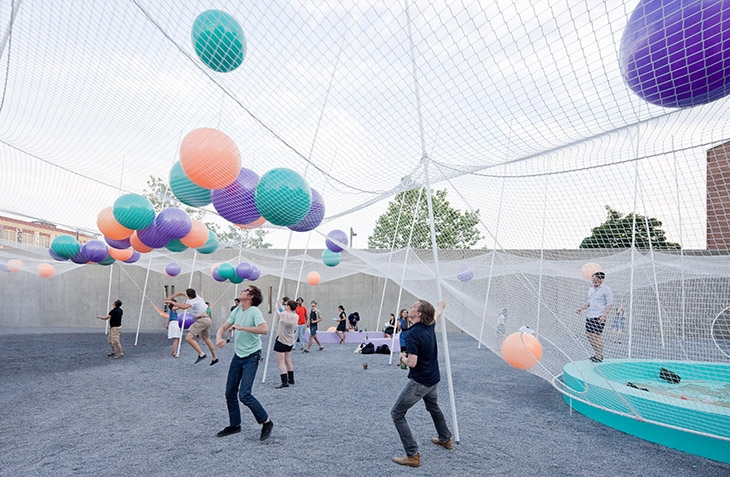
point(313, 278)
point(121, 254)
point(15, 265)
point(109, 226)
point(137, 244)
point(209, 158)
point(589, 269)
point(521, 350)
point(332, 329)
point(46, 270)
point(256, 223)
point(197, 236)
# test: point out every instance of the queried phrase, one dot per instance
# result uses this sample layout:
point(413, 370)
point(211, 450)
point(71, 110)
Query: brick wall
point(718, 197)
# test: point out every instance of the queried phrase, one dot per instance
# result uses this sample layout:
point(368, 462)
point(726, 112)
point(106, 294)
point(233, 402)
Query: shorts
point(280, 347)
point(342, 326)
point(312, 330)
point(173, 330)
point(201, 327)
point(114, 333)
point(594, 325)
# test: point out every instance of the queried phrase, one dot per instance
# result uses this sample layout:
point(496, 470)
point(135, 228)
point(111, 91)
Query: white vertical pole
point(190, 285)
point(144, 294)
point(108, 299)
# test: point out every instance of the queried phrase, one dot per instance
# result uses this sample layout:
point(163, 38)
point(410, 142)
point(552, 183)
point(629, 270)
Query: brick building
point(35, 234)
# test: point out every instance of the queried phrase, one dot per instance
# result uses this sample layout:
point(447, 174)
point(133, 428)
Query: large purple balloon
point(95, 251)
point(235, 202)
point(118, 244)
point(336, 241)
point(79, 258)
point(254, 274)
point(172, 269)
point(185, 319)
point(314, 216)
point(173, 223)
point(243, 270)
point(152, 237)
point(135, 256)
point(675, 53)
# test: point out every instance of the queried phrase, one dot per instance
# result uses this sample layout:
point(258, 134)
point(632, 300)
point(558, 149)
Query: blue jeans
point(411, 394)
point(300, 336)
point(241, 373)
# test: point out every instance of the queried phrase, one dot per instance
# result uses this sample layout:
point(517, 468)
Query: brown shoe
point(445, 444)
point(414, 461)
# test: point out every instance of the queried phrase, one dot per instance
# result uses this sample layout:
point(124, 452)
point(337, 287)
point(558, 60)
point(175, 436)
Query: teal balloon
point(176, 246)
point(134, 211)
point(211, 245)
point(330, 258)
point(65, 246)
point(236, 279)
point(226, 270)
point(185, 190)
point(219, 41)
point(108, 260)
point(283, 197)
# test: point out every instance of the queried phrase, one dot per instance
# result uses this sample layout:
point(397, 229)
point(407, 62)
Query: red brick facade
point(718, 197)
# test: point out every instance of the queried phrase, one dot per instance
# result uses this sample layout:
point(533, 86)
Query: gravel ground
point(67, 409)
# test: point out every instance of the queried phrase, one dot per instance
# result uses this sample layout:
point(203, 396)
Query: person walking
point(301, 312)
point(202, 325)
point(286, 330)
point(421, 357)
point(248, 320)
point(599, 304)
point(314, 318)
point(115, 329)
point(341, 331)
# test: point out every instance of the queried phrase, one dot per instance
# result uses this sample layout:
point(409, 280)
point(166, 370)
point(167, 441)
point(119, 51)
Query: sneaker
point(445, 444)
point(596, 360)
point(213, 362)
point(266, 430)
point(321, 348)
point(305, 351)
point(200, 358)
point(228, 430)
point(414, 461)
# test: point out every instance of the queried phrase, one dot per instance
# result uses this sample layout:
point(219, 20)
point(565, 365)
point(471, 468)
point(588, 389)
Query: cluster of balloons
point(66, 247)
point(675, 54)
point(209, 171)
point(243, 271)
point(335, 242)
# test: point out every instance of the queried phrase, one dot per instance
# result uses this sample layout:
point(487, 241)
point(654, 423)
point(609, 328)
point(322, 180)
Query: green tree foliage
point(616, 232)
point(454, 229)
point(161, 196)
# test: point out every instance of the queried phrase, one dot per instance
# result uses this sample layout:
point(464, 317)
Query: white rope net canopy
point(534, 120)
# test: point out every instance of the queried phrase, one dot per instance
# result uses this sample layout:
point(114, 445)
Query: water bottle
point(402, 364)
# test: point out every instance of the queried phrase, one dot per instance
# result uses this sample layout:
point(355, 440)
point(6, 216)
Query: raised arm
point(439, 310)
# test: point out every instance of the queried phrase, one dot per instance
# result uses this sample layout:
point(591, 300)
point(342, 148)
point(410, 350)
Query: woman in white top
point(285, 342)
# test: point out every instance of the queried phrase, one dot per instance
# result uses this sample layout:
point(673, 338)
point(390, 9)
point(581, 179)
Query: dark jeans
point(241, 373)
point(411, 394)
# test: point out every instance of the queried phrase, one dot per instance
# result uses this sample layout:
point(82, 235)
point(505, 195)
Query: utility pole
point(352, 234)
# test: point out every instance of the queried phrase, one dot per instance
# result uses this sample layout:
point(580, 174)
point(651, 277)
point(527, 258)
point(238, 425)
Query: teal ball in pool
point(134, 211)
point(283, 197)
point(219, 41)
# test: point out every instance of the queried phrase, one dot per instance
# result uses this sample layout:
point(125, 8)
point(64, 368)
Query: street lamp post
point(352, 234)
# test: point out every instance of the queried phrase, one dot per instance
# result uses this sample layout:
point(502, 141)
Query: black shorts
point(280, 347)
point(389, 330)
point(594, 325)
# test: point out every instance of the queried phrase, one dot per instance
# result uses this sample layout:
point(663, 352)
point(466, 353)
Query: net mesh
point(518, 115)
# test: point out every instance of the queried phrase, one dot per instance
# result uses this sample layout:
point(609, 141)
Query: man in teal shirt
point(249, 323)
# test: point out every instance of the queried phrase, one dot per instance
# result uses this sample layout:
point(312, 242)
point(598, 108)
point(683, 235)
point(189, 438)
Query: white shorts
point(173, 330)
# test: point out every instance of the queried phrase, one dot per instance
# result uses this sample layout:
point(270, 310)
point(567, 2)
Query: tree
point(454, 229)
point(616, 232)
point(161, 196)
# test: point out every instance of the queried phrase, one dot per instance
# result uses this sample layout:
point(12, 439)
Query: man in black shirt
point(115, 328)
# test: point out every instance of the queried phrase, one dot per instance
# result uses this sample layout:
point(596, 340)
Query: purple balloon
point(314, 216)
point(152, 237)
point(217, 276)
point(4, 267)
point(254, 274)
point(675, 53)
point(173, 223)
point(172, 269)
point(235, 202)
point(95, 251)
point(135, 256)
point(56, 256)
point(185, 319)
point(334, 239)
point(243, 270)
point(465, 274)
point(79, 258)
point(118, 244)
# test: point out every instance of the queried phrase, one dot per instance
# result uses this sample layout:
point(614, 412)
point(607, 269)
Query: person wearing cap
point(301, 312)
point(599, 304)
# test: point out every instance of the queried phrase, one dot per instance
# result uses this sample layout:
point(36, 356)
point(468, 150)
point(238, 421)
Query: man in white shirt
point(202, 325)
point(599, 304)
